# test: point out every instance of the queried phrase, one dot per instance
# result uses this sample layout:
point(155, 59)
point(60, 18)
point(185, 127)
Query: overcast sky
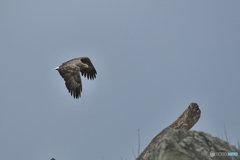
point(153, 58)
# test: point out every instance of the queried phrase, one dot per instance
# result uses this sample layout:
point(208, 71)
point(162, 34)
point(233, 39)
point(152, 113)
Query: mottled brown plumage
point(70, 73)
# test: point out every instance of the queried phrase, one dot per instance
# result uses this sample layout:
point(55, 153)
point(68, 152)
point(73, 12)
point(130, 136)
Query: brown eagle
point(70, 73)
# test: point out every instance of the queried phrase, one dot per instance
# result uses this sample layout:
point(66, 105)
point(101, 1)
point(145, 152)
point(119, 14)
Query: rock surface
point(191, 145)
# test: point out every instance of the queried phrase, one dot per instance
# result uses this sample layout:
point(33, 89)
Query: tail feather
point(55, 68)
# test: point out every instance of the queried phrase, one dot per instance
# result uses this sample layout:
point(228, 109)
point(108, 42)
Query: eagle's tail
point(55, 68)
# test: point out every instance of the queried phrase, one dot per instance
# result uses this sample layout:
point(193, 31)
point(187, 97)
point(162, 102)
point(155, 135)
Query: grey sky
point(153, 58)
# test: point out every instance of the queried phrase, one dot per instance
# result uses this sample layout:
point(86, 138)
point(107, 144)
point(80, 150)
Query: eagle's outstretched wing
point(73, 82)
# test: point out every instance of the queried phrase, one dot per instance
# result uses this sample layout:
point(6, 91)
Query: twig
point(238, 144)
point(226, 133)
point(133, 153)
point(138, 142)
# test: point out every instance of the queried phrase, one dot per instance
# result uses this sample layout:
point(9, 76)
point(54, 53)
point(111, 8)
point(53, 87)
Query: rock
point(191, 145)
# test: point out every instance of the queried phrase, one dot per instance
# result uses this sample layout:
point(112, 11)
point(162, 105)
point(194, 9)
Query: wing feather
point(73, 82)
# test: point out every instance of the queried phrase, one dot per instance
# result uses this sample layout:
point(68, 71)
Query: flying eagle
point(70, 73)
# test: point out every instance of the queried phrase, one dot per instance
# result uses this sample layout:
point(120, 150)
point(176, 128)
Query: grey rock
point(190, 145)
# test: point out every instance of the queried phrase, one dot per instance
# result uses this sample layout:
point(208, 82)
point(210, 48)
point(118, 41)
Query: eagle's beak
point(87, 66)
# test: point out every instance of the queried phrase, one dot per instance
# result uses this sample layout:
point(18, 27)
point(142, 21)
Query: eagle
point(70, 72)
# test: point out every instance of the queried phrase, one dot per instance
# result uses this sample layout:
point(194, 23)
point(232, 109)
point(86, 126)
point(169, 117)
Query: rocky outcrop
point(191, 145)
point(184, 122)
